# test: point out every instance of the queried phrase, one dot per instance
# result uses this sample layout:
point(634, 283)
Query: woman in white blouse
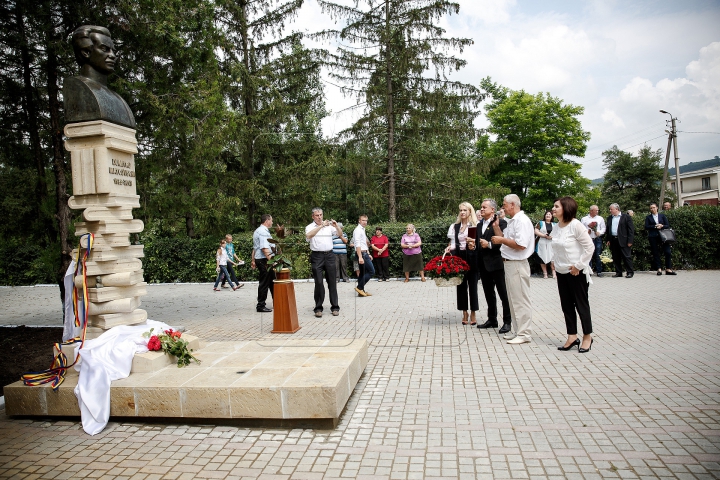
point(462, 246)
point(572, 251)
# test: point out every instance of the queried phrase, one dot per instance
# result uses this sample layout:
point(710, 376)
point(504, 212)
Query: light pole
point(672, 138)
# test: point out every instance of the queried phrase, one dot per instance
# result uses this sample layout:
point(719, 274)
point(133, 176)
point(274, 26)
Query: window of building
point(672, 186)
point(706, 183)
point(682, 189)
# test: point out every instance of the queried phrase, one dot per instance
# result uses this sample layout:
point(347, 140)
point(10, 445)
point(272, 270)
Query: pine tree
point(275, 92)
point(393, 54)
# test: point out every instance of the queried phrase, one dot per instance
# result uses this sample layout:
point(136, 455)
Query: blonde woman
point(463, 246)
point(412, 253)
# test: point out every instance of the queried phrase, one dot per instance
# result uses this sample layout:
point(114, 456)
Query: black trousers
point(573, 290)
point(655, 245)
point(621, 255)
point(468, 287)
point(382, 267)
point(492, 281)
point(231, 271)
point(324, 262)
point(266, 276)
point(596, 261)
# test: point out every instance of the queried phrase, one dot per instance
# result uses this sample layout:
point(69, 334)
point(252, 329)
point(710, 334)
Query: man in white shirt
point(322, 259)
point(595, 225)
point(367, 270)
point(516, 246)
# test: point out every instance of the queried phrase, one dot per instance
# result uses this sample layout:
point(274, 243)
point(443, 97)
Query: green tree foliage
point(170, 74)
point(274, 89)
point(414, 135)
point(530, 138)
point(33, 164)
point(632, 181)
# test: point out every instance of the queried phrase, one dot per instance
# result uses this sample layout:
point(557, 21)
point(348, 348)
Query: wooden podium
point(285, 318)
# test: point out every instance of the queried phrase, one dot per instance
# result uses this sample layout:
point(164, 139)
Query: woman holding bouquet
point(463, 245)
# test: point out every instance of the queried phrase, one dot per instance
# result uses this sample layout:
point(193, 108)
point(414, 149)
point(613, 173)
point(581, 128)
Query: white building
point(699, 187)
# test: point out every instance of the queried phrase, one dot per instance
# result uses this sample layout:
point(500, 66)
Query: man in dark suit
point(620, 234)
point(490, 267)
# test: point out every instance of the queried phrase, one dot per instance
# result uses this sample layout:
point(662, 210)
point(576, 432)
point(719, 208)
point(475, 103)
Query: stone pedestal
point(103, 176)
point(293, 382)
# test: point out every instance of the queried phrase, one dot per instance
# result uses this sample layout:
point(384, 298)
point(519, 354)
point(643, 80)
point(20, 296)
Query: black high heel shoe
point(565, 349)
point(585, 350)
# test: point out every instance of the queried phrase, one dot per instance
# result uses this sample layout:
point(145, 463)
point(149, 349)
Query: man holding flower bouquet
point(595, 225)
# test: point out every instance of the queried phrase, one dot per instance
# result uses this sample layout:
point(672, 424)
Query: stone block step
point(304, 379)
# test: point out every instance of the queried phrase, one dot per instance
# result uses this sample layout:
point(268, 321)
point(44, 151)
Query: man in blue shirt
point(340, 251)
point(261, 255)
point(620, 234)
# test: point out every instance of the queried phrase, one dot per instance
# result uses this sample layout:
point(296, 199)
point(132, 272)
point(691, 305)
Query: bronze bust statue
point(86, 96)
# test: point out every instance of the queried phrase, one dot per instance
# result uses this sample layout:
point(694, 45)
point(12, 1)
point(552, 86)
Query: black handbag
point(667, 235)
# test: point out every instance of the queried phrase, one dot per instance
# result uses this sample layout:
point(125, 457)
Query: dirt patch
point(25, 349)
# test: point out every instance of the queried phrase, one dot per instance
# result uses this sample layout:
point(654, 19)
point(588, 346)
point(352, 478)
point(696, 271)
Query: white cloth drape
point(104, 359)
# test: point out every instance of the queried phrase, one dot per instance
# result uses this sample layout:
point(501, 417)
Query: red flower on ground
point(154, 344)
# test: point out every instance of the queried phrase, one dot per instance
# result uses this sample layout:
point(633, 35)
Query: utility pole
point(665, 170)
point(672, 135)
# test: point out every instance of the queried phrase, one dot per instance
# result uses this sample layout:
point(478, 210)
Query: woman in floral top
point(412, 253)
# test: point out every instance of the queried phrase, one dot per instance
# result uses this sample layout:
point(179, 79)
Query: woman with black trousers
point(572, 252)
point(463, 245)
point(653, 224)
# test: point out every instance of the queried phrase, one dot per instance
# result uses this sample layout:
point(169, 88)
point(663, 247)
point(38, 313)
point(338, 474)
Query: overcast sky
point(622, 61)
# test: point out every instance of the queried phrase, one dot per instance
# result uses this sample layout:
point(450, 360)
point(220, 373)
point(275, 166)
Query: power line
point(624, 148)
point(626, 136)
point(713, 133)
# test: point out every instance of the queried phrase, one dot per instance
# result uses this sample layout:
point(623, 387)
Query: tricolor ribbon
point(55, 375)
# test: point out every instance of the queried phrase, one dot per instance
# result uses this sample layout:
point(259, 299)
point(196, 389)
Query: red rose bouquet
point(170, 342)
point(447, 267)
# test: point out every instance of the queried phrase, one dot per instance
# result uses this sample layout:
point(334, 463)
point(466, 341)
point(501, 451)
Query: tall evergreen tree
point(275, 92)
point(417, 121)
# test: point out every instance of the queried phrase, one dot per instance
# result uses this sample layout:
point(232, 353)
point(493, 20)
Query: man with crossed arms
point(516, 246)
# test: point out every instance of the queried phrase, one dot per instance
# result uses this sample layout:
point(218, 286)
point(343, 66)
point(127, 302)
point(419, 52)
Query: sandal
point(544, 275)
point(465, 318)
point(472, 319)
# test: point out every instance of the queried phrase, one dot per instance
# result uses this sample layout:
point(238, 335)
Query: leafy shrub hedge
point(183, 259)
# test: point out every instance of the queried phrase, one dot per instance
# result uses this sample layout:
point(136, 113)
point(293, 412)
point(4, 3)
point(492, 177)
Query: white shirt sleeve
point(600, 226)
point(586, 244)
point(525, 234)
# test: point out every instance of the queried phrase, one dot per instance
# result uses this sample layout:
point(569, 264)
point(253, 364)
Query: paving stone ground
point(437, 400)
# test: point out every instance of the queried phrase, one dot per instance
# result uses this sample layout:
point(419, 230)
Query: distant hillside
point(690, 167)
point(693, 166)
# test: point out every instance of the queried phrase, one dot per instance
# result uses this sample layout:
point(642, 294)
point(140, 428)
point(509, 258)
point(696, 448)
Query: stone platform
point(274, 382)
